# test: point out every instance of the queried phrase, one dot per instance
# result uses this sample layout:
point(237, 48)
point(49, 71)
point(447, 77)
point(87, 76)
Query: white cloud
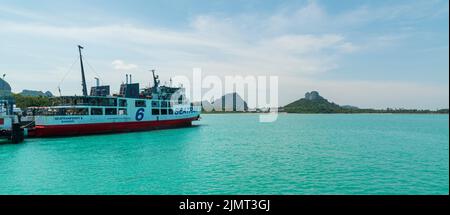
point(313, 18)
point(120, 65)
point(209, 46)
point(309, 43)
point(21, 13)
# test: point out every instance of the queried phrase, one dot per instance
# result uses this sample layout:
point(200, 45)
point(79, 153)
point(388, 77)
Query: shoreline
point(220, 112)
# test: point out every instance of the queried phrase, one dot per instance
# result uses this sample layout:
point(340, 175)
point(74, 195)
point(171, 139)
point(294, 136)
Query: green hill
point(313, 103)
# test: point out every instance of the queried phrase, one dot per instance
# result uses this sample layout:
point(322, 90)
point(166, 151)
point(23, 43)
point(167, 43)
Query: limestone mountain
point(313, 103)
point(230, 102)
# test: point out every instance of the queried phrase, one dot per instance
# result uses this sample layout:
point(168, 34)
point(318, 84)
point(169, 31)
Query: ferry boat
point(132, 109)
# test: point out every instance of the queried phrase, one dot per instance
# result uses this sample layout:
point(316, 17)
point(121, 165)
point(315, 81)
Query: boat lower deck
point(113, 127)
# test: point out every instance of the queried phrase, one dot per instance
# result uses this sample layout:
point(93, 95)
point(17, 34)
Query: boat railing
point(114, 102)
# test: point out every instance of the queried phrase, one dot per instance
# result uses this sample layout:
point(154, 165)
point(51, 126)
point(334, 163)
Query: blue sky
point(364, 53)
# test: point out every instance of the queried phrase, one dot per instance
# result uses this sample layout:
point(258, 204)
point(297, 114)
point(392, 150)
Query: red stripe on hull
point(97, 128)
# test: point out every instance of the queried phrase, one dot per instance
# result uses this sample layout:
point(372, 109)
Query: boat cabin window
point(75, 111)
point(109, 102)
point(155, 104)
point(140, 103)
point(155, 111)
point(110, 111)
point(122, 111)
point(122, 102)
point(80, 100)
point(163, 111)
point(33, 111)
point(49, 112)
point(66, 111)
point(163, 103)
point(170, 111)
point(96, 111)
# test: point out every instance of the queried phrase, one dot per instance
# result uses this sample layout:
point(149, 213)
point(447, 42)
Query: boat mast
point(155, 81)
point(83, 79)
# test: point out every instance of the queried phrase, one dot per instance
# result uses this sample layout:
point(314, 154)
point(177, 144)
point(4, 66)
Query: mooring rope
point(24, 126)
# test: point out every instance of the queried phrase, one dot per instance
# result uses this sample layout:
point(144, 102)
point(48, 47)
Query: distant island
point(36, 93)
point(314, 103)
point(228, 103)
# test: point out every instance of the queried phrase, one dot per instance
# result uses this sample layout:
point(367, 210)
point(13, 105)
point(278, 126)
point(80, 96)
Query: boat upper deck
point(110, 105)
point(109, 101)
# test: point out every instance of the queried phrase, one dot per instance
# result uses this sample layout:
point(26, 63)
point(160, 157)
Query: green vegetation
point(400, 110)
point(30, 101)
point(319, 105)
point(314, 103)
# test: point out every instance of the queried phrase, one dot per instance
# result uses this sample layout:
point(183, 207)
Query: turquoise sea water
point(235, 154)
